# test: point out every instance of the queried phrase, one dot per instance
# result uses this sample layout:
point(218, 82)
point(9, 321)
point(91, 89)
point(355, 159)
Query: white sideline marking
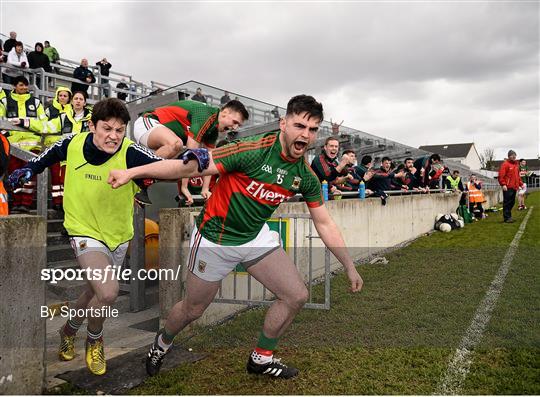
point(459, 365)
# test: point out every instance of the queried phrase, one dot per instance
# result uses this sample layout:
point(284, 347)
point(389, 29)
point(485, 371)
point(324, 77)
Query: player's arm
point(332, 238)
point(194, 162)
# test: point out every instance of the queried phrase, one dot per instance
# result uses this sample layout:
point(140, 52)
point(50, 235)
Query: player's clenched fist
point(118, 178)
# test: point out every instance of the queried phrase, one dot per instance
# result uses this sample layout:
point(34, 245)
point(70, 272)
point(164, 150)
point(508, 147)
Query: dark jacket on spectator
point(81, 73)
point(37, 59)
point(9, 44)
point(325, 168)
point(381, 180)
point(122, 95)
point(104, 68)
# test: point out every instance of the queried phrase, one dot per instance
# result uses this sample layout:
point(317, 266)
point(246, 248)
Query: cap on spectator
point(511, 153)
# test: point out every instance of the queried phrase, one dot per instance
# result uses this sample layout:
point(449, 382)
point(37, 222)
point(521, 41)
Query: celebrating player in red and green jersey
point(256, 175)
point(168, 128)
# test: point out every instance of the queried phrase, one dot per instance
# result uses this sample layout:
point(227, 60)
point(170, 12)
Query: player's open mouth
point(299, 145)
point(110, 144)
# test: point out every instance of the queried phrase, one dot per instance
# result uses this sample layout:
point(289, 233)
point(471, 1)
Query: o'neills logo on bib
point(262, 193)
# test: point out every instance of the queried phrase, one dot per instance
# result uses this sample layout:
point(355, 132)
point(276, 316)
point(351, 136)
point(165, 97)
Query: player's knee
point(194, 312)
point(108, 297)
point(299, 298)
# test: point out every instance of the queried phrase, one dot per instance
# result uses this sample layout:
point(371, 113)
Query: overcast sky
point(415, 72)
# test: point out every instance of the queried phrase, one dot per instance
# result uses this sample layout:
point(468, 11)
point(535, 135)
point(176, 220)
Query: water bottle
point(324, 185)
point(362, 190)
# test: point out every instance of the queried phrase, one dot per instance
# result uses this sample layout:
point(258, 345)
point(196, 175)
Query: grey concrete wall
point(366, 225)
point(22, 293)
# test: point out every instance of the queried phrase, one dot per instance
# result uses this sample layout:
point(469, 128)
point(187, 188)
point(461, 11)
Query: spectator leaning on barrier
point(84, 74)
point(37, 59)
point(24, 110)
point(327, 167)
point(199, 96)
point(382, 178)
point(104, 68)
point(353, 177)
point(510, 181)
point(16, 57)
point(428, 170)
point(476, 197)
point(523, 174)
point(98, 219)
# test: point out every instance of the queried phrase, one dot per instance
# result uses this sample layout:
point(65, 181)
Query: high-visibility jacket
point(4, 148)
point(454, 183)
point(475, 194)
point(25, 106)
point(56, 108)
point(66, 124)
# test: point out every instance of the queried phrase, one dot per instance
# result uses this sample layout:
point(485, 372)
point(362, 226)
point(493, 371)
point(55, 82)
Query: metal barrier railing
point(255, 294)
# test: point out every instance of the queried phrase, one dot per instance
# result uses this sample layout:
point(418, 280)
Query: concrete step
point(54, 225)
point(56, 238)
point(51, 214)
point(60, 252)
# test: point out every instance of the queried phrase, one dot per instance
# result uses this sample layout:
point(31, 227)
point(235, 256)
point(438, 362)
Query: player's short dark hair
point(109, 108)
point(349, 151)
point(386, 158)
point(305, 103)
point(366, 159)
point(520, 160)
point(435, 156)
point(453, 172)
point(407, 159)
point(237, 106)
point(330, 138)
point(83, 93)
point(19, 79)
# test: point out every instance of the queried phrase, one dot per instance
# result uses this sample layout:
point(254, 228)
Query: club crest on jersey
point(202, 266)
point(267, 168)
point(296, 183)
point(82, 245)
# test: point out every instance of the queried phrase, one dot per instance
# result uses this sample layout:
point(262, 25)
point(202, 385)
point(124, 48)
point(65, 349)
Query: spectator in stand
point(37, 59)
point(4, 160)
point(54, 57)
point(199, 96)
point(353, 178)
point(51, 52)
point(476, 197)
point(382, 178)
point(523, 174)
point(335, 127)
point(424, 170)
point(327, 167)
point(83, 74)
point(410, 179)
point(123, 86)
point(24, 110)
point(510, 181)
point(399, 182)
point(454, 183)
point(275, 112)
point(16, 57)
point(104, 68)
point(60, 104)
point(10, 44)
point(225, 98)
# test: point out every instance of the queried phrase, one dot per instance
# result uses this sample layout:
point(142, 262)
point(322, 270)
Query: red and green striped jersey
point(255, 178)
point(189, 119)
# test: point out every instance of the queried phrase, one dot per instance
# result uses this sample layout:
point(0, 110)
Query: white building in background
point(465, 153)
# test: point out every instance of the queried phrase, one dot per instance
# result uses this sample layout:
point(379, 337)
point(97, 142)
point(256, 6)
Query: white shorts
point(523, 189)
point(212, 262)
point(142, 127)
point(83, 245)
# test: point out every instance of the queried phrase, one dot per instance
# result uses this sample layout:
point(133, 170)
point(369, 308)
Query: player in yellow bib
point(98, 219)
